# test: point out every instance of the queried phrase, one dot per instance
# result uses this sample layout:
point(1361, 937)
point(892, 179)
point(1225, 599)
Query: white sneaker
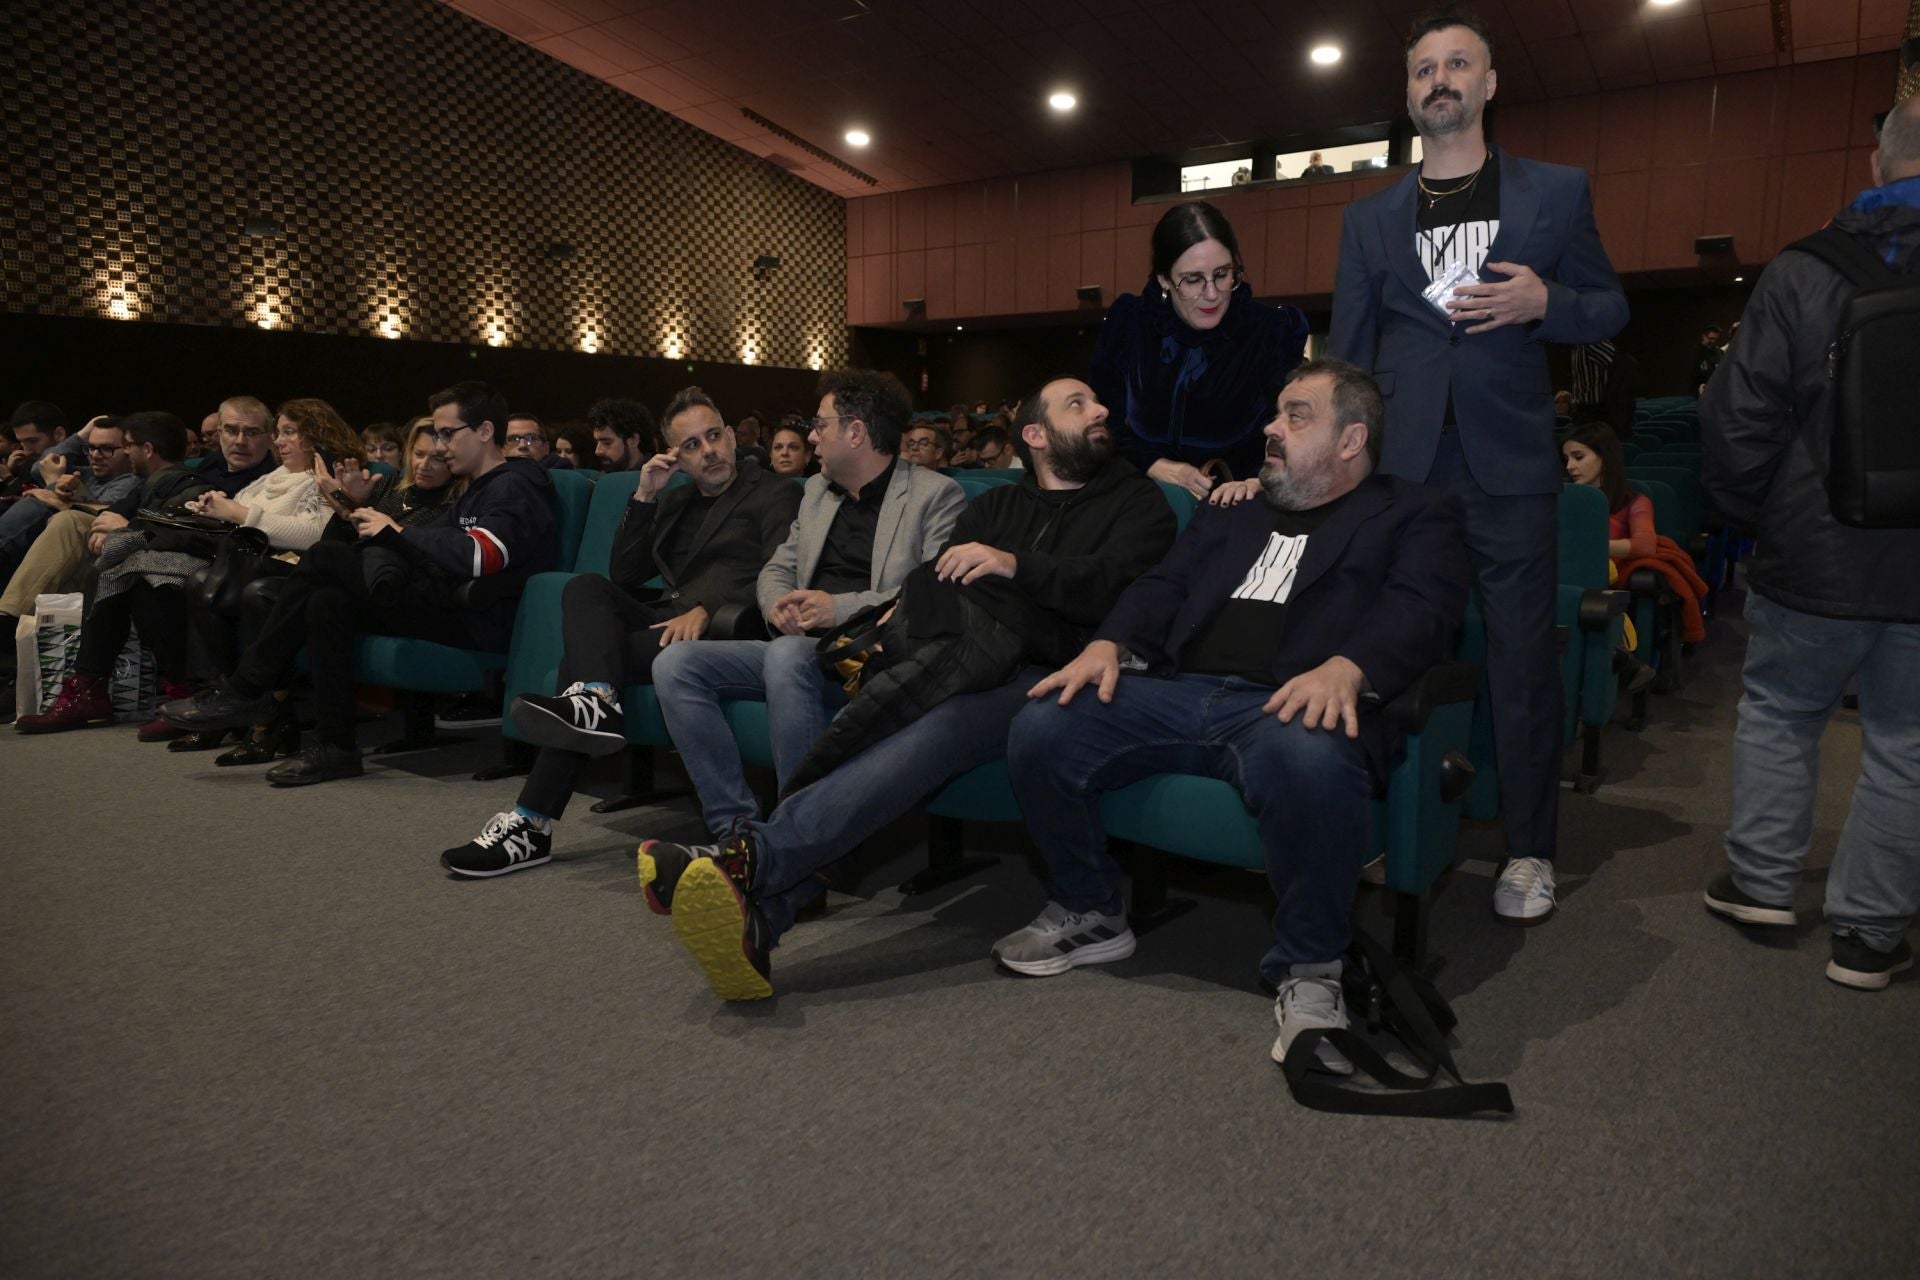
point(1060, 940)
point(1309, 999)
point(1524, 893)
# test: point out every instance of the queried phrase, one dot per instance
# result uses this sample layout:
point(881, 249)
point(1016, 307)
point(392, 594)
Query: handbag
point(244, 556)
point(181, 532)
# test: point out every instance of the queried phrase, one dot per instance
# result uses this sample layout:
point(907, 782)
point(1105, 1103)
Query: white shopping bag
point(46, 645)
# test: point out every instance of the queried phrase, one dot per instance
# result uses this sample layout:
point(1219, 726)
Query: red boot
point(82, 701)
point(157, 729)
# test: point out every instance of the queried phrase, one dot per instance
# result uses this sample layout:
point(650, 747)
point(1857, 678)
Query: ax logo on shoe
point(588, 711)
point(519, 846)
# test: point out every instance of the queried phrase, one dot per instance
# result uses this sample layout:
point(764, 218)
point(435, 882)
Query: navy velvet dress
point(1194, 394)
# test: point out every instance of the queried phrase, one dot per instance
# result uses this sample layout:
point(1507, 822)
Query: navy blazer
point(1501, 393)
point(1383, 584)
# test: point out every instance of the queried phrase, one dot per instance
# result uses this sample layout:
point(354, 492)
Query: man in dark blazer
point(1247, 651)
point(706, 542)
point(1451, 283)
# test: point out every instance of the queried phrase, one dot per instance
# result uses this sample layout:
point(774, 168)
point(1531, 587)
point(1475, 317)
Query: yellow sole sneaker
point(710, 916)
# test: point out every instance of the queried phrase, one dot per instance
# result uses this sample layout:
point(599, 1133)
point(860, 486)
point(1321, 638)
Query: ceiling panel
point(954, 90)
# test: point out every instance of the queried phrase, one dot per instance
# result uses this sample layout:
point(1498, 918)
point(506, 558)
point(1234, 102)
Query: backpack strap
point(1416, 1012)
point(1851, 256)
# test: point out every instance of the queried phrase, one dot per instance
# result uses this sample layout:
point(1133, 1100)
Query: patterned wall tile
point(417, 164)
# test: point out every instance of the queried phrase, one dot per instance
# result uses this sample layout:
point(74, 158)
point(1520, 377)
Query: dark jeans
point(607, 640)
point(1514, 543)
point(338, 590)
point(1309, 789)
point(158, 613)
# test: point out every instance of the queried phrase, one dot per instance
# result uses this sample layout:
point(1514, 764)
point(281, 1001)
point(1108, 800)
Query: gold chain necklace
point(1435, 197)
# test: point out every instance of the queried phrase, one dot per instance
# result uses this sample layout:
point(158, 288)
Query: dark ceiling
point(953, 90)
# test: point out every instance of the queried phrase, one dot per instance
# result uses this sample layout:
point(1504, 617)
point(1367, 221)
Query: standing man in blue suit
point(1451, 283)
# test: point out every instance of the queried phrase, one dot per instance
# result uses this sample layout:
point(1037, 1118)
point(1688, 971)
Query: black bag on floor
point(1873, 469)
point(1408, 1006)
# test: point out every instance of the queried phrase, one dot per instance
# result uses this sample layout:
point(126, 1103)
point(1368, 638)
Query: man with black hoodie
point(455, 581)
point(1045, 558)
point(1826, 603)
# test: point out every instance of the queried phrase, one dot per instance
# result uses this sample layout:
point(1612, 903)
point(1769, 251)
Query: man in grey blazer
point(1451, 283)
point(866, 520)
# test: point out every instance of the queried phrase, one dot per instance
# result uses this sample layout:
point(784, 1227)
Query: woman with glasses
point(1191, 366)
point(143, 579)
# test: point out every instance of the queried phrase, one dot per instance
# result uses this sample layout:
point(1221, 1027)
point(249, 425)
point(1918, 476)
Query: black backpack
point(1873, 471)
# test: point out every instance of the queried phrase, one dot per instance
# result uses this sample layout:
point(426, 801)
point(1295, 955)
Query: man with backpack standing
point(1827, 602)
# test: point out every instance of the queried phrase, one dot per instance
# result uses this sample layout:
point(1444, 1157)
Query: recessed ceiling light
point(1063, 101)
point(957, 328)
point(1326, 55)
point(1662, 4)
point(1738, 279)
point(858, 138)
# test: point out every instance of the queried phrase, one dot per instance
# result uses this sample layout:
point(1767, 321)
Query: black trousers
point(607, 640)
point(341, 589)
point(160, 614)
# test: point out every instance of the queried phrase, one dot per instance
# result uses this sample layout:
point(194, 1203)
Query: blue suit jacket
point(1383, 584)
point(1502, 400)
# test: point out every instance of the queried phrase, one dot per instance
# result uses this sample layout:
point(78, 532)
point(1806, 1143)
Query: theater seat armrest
point(737, 622)
point(1646, 583)
point(1599, 608)
point(484, 593)
point(1440, 685)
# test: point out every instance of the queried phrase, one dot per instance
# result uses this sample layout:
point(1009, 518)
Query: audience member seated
point(1191, 365)
point(527, 437)
point(865, 521)
point(573, 446)
point(1592, 455)
point(747, 433)
point(204, 436)
point(705, 542)
point(992, 449)
point(789, 454)
point(396, 580)
point(1028, 571)
point(36, 426)
point(143, 576)
point(1244, 656)
point(623, 435)
point(1316, 167)
point(106, 478)
point(381, 443)
point(926, 444)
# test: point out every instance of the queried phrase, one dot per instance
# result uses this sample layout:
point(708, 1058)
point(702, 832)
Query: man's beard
point(1299, 485)
point(1439, 127)
point(1076, 459)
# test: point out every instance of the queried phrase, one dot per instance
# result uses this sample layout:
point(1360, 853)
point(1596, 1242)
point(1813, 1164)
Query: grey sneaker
point(1061, 939)
point(1310, 998)
point(1524, 893)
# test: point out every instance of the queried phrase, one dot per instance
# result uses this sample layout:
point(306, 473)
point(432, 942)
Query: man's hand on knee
point(1330, 694)
point(1098, 665)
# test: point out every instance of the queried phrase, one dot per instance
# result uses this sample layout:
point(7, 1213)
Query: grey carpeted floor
point(254, 1033)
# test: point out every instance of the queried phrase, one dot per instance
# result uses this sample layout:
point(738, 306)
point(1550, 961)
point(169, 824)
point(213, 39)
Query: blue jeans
point(693, 678)
point(1513, 540)
point(1797, 668)
point(822, 822)
point(1309, 789)
point(20, 524)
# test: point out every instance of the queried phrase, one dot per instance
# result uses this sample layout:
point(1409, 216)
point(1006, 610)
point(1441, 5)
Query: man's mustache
point(1438, 94)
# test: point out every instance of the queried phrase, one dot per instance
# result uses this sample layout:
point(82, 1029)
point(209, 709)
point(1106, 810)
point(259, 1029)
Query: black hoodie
point(1074, 551)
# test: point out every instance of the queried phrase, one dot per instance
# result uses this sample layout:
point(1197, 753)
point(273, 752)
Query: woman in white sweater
point(143, 585)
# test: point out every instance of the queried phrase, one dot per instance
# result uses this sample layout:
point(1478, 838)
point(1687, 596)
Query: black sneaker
point(318, 763)
point(575, 720)
point(469, 711)
point(507, 843)
point(723, 931)
point(219, 706)
point(1724, 897)
point(1857, 965)
point(662, 863)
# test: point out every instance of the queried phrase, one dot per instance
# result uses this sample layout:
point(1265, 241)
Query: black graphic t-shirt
point(1243, 636)
point(1459, 225)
